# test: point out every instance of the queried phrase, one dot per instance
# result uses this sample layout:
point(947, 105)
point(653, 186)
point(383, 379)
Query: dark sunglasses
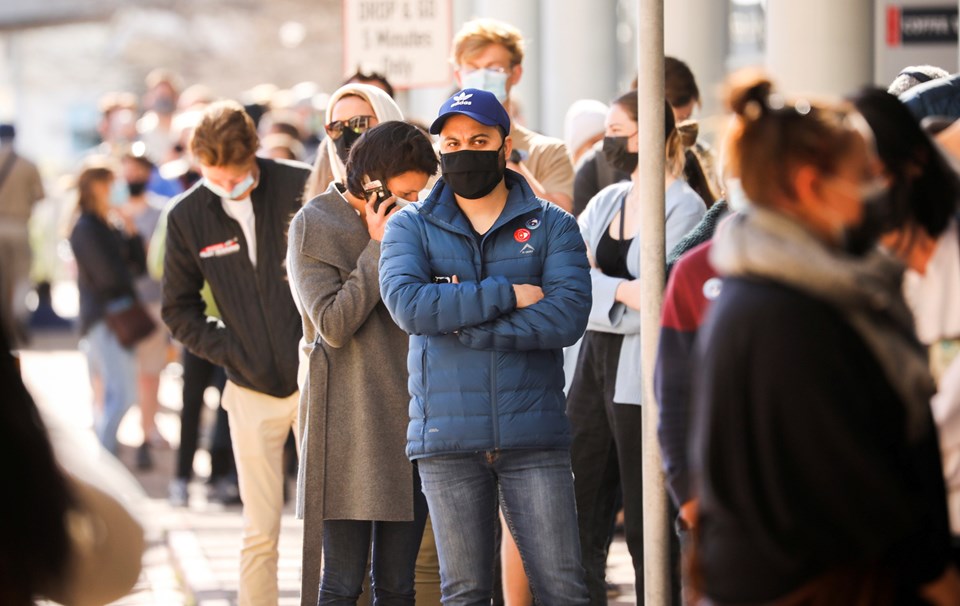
point(357, 124)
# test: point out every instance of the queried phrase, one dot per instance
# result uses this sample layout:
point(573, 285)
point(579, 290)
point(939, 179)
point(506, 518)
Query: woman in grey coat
point(358, 491)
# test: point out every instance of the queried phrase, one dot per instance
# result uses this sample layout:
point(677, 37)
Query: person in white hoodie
point(352, 110)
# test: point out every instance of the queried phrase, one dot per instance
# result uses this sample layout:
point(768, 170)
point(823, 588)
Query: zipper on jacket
point(493, 400)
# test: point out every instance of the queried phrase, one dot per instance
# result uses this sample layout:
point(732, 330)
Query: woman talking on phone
point(358, 489)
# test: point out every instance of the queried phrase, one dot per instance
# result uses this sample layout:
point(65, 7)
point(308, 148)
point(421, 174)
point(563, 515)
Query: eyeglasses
point(467, 70)
point(357, 124)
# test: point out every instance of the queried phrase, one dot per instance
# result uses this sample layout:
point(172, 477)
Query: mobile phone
point(382, 193)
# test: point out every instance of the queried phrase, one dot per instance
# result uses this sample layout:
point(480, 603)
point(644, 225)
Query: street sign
point(408, 41)
point(921, 25)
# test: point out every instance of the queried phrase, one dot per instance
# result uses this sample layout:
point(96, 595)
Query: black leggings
point(198, 374)
point(607, 460)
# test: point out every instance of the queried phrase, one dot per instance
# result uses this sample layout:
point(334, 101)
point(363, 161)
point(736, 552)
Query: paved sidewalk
point(193, 553)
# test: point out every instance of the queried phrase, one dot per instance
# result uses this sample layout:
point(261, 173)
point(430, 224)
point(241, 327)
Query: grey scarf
point(866, 290)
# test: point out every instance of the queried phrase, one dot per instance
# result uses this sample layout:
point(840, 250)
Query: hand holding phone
point(382, 195)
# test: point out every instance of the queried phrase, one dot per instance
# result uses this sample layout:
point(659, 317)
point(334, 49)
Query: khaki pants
point(259, 425)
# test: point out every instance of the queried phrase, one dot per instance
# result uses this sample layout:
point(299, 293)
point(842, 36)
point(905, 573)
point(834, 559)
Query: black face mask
point(345, 142)
point(877, 219)
point(190, 177)
point(615, 151)
point(473, 174)
point(136, 188)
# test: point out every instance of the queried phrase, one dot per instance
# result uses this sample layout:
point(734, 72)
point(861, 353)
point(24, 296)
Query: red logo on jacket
point(521, 235)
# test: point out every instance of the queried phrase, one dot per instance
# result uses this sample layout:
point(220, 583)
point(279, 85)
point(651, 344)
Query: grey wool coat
point(353, 406)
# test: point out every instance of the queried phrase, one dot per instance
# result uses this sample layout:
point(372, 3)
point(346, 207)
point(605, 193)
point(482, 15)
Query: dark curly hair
point(388, 150)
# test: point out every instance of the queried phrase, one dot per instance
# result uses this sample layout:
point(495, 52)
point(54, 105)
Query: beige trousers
point(259, 425)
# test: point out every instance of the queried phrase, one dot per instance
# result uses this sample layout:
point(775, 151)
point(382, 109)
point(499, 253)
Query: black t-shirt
point(800, 455)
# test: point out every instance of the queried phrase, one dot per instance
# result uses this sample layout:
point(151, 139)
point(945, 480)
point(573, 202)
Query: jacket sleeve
point(95, 248)
point(183, 307)
point(559, 319)
point(337, 308)
point(419, 306)
point(671, 383)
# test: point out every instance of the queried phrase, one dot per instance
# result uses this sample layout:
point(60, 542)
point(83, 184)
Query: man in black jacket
point(229, 231)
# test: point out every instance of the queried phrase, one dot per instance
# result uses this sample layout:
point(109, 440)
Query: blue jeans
point(393, 554)
point(535, 490)
point(117, 368)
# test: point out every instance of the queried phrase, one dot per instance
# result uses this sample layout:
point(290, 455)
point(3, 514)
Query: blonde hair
point(478, 34)
point(225, 136)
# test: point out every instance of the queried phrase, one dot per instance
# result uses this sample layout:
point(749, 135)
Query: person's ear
point(515, 73)
point(458, 77)
point(508, 146)
point(806, 185)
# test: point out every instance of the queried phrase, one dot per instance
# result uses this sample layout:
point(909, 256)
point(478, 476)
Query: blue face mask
point(119, 194)
point(490, 80)
point(238, 190)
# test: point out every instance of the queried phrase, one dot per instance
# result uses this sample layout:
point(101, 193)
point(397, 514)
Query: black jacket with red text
point(257, 339)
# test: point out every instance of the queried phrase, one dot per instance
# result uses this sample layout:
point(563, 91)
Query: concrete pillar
point(695, 32)
point(820, 46)
point(578, 60)
point(525, 16)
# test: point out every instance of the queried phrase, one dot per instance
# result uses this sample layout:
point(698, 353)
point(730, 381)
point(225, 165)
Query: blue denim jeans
point(534, 488)
point(117, 368)
point(392, 547)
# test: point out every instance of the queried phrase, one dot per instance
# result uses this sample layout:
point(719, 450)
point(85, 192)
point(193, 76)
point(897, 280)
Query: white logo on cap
point(461, 99)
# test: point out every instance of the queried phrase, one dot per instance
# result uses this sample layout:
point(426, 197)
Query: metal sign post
point(650, 186)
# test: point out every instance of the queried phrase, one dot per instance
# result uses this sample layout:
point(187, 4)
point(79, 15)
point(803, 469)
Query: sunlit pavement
point(193, 553)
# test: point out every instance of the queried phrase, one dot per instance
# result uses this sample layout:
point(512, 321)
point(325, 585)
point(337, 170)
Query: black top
point(107, 262)
point(799, 453)
point(612, 253)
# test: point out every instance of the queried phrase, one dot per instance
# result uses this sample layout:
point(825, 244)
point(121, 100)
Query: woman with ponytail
point(604, 397)
point(814, 456)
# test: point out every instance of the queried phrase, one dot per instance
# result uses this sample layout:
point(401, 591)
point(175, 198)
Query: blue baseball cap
point(480, 105)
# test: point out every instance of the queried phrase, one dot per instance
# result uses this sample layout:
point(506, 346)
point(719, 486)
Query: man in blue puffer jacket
point(490, 282)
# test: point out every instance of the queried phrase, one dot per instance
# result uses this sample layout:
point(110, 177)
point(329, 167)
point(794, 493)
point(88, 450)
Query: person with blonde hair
point(230, 231)
point(488, 55)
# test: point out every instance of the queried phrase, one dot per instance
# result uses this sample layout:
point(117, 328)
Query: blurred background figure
point(583, 127)
point(160, 101)
point(840, 416)
point(110, 254)
point(143, 208)
point(118, 123)
point(936, 97)
point(20, 189)
point(63, 539)
point(373, 79)
point(915, 75)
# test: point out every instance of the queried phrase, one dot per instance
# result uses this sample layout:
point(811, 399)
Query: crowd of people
point(442, 323)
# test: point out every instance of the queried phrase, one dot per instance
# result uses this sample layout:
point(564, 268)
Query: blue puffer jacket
point(485, 375)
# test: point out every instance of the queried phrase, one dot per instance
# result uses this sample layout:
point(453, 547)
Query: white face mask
point(238, 190)
point(490, 80)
